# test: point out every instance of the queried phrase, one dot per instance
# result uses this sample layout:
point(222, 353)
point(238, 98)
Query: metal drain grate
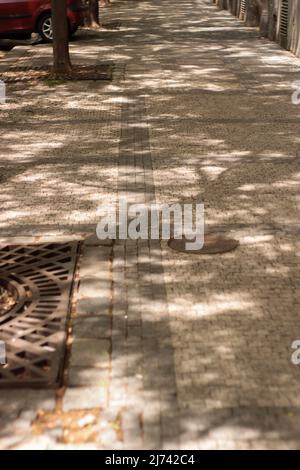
point(34, 329)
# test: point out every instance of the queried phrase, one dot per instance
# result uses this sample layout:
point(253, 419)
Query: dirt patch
point(7, 300)
point(113, 25)
point(46, 74)
point(75, 426)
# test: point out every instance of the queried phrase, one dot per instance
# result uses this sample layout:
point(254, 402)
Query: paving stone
point(93, 288)
point(82, 376)
point(93, 240)
point(109, 439)
point(92, 327)
point(204, 119)
point(131, 425)
point(15, 401)
point(93, 306)
point(36, 443)
point(90, 353)
point(84, 398)
point(95, 262)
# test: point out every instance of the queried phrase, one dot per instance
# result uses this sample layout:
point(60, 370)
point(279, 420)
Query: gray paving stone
point(92, 327)
point(83, 398)
point(82, 376)
point(93, 288)
point(205, 118)
point(93, 306)
point(95, 261)
point(93, 240)
point(15, 401)
point(131, 425)
point(90, 353)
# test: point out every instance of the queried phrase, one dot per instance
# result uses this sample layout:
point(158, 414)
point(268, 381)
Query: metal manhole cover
point(214, 243)
point(34, 329)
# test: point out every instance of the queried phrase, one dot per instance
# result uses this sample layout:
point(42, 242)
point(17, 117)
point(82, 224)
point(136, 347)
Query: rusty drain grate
point(34, 329)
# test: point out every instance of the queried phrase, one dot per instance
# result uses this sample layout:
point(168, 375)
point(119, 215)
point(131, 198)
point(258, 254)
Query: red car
point(23, 17)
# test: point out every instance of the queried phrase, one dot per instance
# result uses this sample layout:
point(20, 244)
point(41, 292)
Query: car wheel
point(45, 28)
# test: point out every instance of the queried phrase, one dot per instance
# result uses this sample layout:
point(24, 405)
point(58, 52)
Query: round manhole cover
point(8, 297)
point(214, 243)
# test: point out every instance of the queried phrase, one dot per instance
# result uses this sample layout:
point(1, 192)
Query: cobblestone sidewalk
point(165, 350)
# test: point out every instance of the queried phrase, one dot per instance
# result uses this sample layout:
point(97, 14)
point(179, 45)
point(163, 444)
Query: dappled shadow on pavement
point(223, 131)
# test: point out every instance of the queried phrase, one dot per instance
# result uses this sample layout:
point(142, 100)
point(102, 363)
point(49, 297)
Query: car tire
point(44, 28)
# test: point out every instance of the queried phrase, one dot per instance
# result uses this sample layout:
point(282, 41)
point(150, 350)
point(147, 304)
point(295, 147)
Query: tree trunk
point(264, 17)
point(92, 15)
point(61, 57)
point(233, 7)
point(256, 14)
point(252, 13)
point(273, 18)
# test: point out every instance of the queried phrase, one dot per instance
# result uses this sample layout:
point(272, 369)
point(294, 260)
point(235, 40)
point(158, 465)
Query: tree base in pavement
point(45, 73)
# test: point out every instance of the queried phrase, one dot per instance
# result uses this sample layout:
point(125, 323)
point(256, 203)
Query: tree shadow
point(223, 131)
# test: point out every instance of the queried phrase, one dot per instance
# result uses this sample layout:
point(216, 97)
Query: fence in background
point(279, 20)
